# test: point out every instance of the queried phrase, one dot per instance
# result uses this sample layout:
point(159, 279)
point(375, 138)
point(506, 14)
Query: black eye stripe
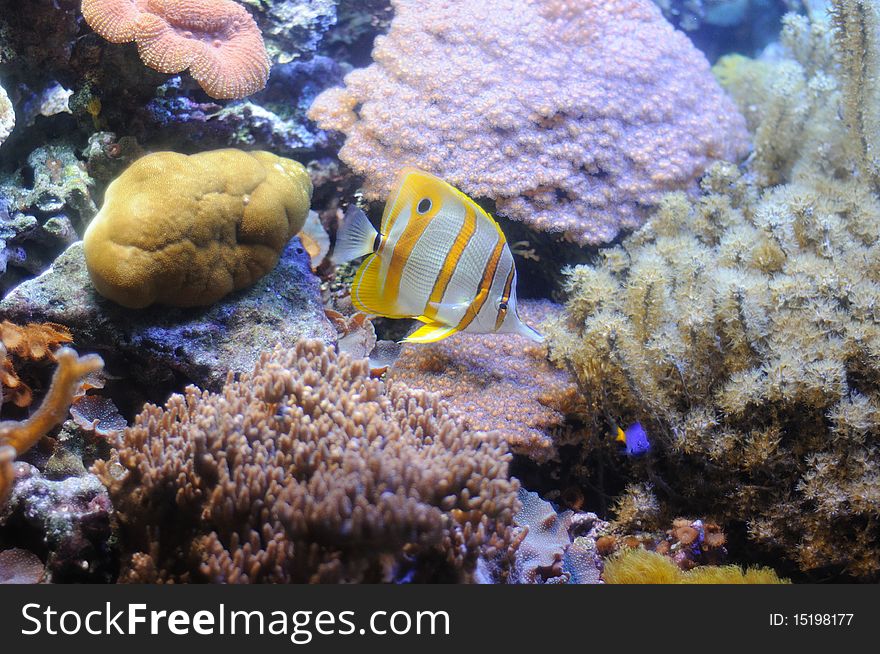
point(424, 205)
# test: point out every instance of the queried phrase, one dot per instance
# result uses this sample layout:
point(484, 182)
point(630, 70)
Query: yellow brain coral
point(186, 230)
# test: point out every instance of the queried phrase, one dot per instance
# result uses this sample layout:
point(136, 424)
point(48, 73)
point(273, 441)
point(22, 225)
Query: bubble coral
point(217, 40)
point(186, 230)
point(573, 115)
point(308, 470)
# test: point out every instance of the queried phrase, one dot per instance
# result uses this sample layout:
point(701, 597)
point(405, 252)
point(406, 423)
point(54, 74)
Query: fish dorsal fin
point(430, 333)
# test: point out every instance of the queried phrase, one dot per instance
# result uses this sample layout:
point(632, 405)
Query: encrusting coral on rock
point(502, 383)
point(572, 115)
point(308, 470)
point(217, 40)
point(186, 230)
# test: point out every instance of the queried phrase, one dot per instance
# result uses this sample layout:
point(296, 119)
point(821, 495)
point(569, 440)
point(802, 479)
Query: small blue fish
point(635, 439)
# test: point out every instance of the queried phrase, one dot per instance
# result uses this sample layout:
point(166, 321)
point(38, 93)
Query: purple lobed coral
point(573, 116)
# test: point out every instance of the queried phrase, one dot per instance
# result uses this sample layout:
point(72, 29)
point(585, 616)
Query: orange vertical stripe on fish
point(440, 259)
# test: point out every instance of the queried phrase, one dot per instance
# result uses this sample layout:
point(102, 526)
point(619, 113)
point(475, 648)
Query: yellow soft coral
point(638, 566)
point(186, 230)
point(17, 437)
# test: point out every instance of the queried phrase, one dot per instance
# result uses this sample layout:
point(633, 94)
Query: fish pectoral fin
point(430, 333)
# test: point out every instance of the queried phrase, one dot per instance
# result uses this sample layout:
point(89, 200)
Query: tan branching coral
point(742, 330)
point(217, 40)
point(19, 436)
point(857, 33)
point(308, 470)
point(499, 382)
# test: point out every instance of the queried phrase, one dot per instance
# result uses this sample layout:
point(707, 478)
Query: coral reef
point(161, 348)
point(307, 470)
point(218, 41)
point(624, 108)
point(292, 29)
point(554, 548)
point(638, 566)
point(187, 230)
point(39, 218)
point(502, 383)
point(66, 521)
point(740, 329)
point(7, 116)
point(19, 436)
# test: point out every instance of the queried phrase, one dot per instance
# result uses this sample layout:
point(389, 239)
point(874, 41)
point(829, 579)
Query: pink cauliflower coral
point(573, 115)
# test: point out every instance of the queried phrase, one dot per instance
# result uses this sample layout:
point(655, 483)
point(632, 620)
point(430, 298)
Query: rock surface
point(157, 345)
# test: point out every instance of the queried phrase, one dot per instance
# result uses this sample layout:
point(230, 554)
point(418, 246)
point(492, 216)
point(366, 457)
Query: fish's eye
point(424, 205)
point(503, 306)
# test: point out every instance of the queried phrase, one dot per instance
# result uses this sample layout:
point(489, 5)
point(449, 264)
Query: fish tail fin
point(356, 237)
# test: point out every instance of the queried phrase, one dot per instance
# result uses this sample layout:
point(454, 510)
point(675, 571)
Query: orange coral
point(34, 341)
point(217, 40)
point(17, 437)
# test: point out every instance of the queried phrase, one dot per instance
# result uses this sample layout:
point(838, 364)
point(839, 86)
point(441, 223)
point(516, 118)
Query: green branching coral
point(742, 328)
